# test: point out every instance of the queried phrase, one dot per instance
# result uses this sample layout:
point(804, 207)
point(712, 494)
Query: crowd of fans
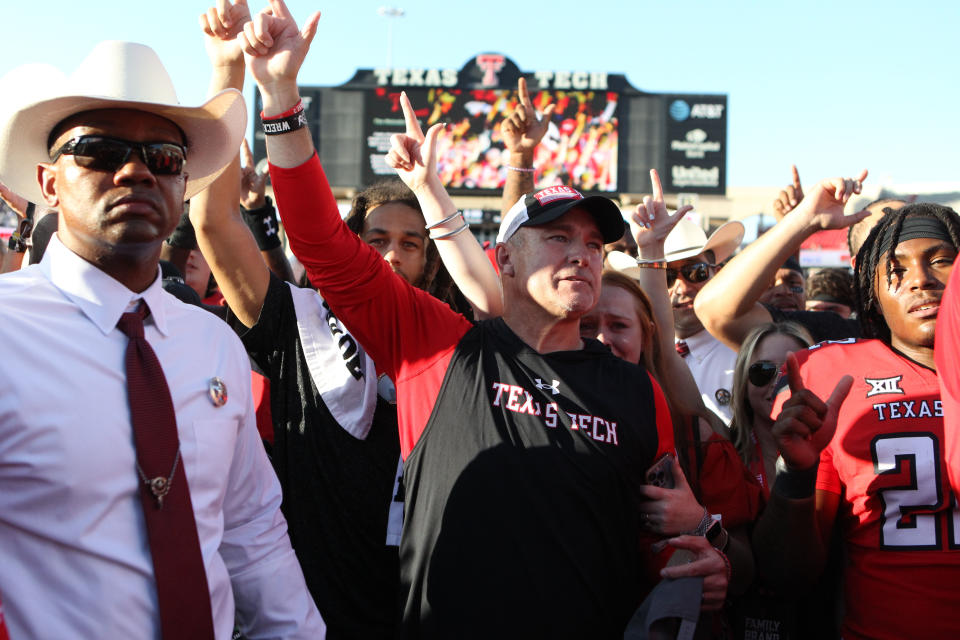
point(610, 424)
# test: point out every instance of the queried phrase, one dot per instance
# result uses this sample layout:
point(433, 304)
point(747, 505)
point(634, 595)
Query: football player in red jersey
point(869, 461)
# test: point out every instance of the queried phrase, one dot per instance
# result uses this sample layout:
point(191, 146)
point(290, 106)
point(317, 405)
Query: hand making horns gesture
point(274, 47)
point(651, 223)
point(412, 154)
point(806, 423)
point(524, 128)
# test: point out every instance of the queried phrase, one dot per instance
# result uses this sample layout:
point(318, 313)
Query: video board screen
point(604, 136)
point(580, 147)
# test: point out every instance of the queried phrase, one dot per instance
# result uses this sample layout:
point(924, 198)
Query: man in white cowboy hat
point(692, 259)
point(733, 304)
point(136, 500)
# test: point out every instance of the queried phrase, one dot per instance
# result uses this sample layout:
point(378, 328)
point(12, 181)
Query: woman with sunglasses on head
point(763, 353)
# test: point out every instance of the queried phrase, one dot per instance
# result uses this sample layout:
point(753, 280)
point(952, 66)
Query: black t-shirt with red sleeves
point(521, 468)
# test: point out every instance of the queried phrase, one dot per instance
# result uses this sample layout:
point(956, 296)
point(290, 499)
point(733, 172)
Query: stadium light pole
point(390, 13)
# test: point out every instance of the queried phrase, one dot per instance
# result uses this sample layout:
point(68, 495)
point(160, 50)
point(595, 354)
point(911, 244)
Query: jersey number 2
point(907, 522)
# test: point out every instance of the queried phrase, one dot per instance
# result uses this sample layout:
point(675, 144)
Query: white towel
point(342, 371)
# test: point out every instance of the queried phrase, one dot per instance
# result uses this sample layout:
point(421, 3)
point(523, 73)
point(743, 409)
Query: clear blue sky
point(832, 86)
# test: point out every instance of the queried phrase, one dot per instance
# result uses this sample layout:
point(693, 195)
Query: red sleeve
point(665, 443)
point(409, 334)
point(946, 352)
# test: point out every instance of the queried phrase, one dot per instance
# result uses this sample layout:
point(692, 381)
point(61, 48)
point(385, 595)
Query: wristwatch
point(717, 536)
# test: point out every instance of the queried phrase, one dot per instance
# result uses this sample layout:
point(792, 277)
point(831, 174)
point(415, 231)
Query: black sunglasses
point(693, 273)
point(761, 372)
point(109, 154)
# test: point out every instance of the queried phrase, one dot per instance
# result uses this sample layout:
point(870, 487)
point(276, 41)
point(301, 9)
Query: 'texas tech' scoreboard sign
point(604, 134)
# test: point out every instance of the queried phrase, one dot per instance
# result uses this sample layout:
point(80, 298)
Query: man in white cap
point(136, 500)
point(692, 260)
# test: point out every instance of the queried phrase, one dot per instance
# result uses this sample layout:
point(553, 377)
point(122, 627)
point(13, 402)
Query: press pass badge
point(218, 392)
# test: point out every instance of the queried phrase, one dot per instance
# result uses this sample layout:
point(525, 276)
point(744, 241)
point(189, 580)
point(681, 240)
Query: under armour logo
point(491, 64)
point(268, 223)
point(554, 388)
point(884, 385)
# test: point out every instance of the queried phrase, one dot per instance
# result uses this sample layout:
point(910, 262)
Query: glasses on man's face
point(100, 153)
point(761, 372)
point(693, 273)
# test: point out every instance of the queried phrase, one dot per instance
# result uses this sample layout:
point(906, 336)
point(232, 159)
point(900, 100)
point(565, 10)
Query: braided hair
point(873, 254)
point(435, 279)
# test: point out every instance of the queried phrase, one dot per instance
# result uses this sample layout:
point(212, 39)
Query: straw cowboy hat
point(116, 75)
point(686, 241)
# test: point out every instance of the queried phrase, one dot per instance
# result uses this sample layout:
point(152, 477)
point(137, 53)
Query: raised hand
point(253, 186)
point(221, 25)
point(275, 49)
point(825, 202)
point(790, 197)
point(524, 129)
point(651, 222)
point(806, 423)
point(412, 154)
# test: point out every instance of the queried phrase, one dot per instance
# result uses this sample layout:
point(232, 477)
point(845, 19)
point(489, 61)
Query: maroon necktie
point(682, 348)
point(182, 593)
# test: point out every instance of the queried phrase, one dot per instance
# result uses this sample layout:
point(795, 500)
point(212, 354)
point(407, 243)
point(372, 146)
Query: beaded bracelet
point(726, 562)
point(450, 234)
point(444, 221)
point(521, 169)
point(652, 264)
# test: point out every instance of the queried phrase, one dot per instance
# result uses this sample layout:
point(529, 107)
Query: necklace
point(160, 486)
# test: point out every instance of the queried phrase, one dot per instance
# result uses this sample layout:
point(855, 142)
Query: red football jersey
point(947, 353)
point(897, 515)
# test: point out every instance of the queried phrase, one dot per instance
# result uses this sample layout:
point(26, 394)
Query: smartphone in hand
point(661, 473)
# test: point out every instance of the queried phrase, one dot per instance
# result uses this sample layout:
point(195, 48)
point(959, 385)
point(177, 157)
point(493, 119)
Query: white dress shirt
point(74, 557)
point(711, 362)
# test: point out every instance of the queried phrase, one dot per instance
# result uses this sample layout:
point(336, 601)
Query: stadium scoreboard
point(603, 137)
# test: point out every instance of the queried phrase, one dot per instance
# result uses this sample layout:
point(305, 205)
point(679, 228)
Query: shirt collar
point(99, 296)
point(701, 340)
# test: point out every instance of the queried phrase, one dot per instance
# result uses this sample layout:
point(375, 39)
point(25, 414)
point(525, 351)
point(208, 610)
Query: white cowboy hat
point(116, 75)
point(687, 240)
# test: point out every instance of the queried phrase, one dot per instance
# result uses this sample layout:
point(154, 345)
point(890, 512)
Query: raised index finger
point(794, 379)
point(657, 187)
point(796, 177)
point(245, 154)
point(413, 127)
point(279, 9)
point(523, 92)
